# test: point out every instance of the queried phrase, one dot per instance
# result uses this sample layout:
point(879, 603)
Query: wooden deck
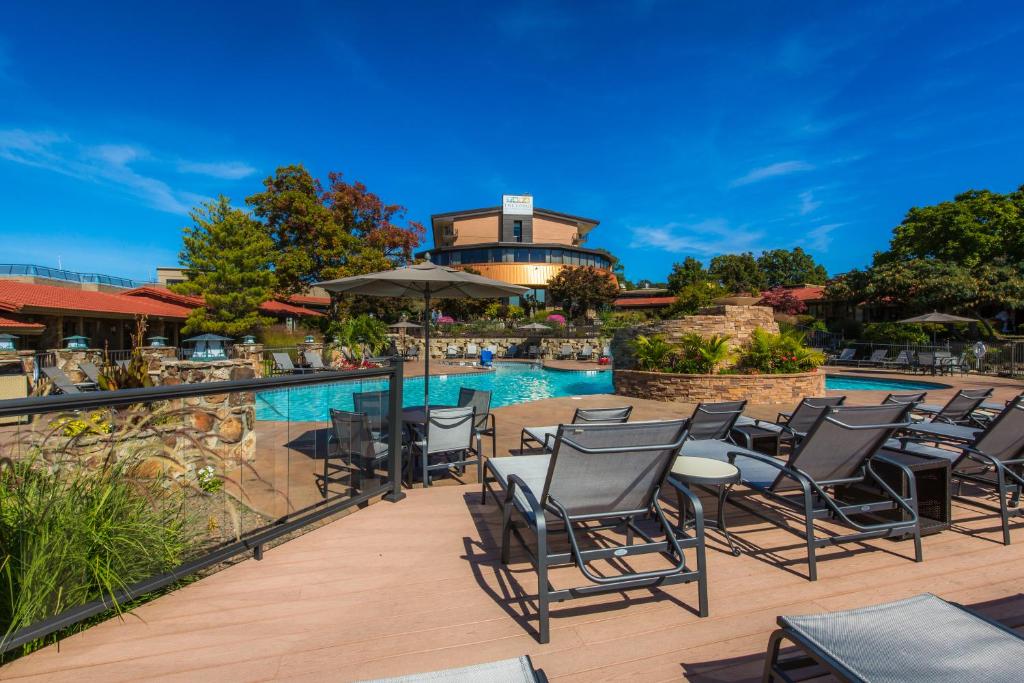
point(417, 586)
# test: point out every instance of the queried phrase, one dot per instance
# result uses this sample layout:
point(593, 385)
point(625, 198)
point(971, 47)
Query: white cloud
point(227, 170)
point(111, 165)
point(819, 238)
point(781, 168)
point(807, 202)
point(706, 238)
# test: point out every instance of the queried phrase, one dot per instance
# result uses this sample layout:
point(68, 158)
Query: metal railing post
point(395, 432)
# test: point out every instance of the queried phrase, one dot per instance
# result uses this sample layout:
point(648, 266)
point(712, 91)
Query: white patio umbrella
point(426, 281)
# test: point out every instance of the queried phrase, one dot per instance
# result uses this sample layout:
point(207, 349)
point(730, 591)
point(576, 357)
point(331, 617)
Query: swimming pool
point(509, 383)
point(847, 383)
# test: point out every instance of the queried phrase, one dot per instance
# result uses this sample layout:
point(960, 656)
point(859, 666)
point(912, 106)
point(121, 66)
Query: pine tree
point(227, 258)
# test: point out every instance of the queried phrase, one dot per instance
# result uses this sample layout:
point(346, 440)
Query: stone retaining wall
point(549, 345)
point(758, 389)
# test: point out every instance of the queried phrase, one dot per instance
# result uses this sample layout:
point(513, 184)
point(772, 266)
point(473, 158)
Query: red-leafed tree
point(783, 301)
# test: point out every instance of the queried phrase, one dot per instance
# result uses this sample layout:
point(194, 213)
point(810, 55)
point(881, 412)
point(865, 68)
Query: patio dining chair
point(543, 437)
point(922, 638)
point(375, 405)
point(355, 446)
point(447, 438)
point(958, 410)
point(837, 452)
point(586, 353)
point(485, 424)
point(64, 384)
point(991, 458)
point(565, 352)
point(790, 427)
point(597, 477)
point(925, 362)
point(534, 351)
point(513, 351)
point(283, 365)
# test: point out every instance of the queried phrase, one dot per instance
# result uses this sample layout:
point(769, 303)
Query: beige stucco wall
point(551, 230)
point(478, 229)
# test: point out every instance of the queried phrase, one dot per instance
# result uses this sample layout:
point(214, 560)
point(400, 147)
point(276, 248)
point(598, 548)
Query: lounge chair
point(565, 352)
point(949, 365)
point(923, 638)
point(543, 437)
point(355, 446)
point(714, 420)
point(315, 361)
point(283, 365)
point(91, 372)
point(448, 436)
point(845, 357)
point(586, 353)
point(877, 358)
point(534, 352)
point(64, 384)
point(836, 452)
point(992, 458)
point(347, 354)
point(597, 475)
point(472, 350)
point(790, 427)
point(485, 424)
point(386, 357)
point(913, 399)
point(452, 352)
point(904, 360)
point(959, 409)
point(513, 351)
point(412, 353)
point(518, 670)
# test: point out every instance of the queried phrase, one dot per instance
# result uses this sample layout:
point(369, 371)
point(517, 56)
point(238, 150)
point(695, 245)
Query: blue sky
point(686, 128)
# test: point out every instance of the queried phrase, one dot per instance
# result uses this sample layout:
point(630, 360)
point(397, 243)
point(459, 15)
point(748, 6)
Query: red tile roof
point(806, 292)
point(644, 302)
point(17, 296)
point(281, 308)
point(11, 324)
point(302, 299)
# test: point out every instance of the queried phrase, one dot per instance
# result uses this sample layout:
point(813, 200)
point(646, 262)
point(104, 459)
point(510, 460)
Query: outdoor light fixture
point(158, 341)
point(248, 339)
point(208, 347)
point(309, 339)
point(77, 342)
point(7, 342)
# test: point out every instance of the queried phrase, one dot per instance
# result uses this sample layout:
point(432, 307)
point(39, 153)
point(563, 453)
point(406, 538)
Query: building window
point(517, 231)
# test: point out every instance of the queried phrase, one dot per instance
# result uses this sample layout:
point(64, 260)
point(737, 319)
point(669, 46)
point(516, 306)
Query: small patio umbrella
point(936, 318)
point(425, 280)
point(535, 326)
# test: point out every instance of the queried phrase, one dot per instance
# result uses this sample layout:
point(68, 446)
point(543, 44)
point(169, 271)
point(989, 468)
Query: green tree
point(227, 259)
point(694, 297)
point(689, 272)
point(977, 227)
point(782, 267)
point(580, 289)
point(737, 273)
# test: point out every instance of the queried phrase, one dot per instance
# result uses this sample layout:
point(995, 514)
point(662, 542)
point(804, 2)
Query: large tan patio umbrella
point(426, 281)
point(937, 318)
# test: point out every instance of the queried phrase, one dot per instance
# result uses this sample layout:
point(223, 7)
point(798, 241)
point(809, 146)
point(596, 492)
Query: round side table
point(707, 472)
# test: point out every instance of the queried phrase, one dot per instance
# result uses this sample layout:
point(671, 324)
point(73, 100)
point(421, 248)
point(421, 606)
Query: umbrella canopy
point(535, 326)
point(405, 326)
point(940, 318)
point(424, 280)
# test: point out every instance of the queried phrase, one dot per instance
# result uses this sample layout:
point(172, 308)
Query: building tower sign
point(517, 204)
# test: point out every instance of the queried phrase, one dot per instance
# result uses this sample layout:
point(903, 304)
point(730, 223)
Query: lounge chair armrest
point(695, 504)
point(514, 482)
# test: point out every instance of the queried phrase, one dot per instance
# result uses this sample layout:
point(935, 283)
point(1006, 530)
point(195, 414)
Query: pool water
point(844, 383)
point(509, 384)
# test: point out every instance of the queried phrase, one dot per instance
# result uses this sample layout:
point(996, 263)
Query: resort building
point(515, 243)
point(646, 299)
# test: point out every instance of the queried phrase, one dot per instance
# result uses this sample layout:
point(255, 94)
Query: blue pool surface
point(846, 383)
point(508, 383)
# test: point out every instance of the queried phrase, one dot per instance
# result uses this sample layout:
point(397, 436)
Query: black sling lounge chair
point(64, 384)
point(836, 452)
point(519, 670)
point(959, 410)
point(993, 458)
point(543, 437)
point(792, 427)
point(599, 475)
point(917, 640)
point(714, 420)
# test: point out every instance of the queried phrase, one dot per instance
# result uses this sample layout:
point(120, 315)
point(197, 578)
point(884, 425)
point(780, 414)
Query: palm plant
point(653, 354)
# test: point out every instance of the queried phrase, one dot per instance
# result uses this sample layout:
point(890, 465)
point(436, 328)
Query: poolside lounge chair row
point(934, 362)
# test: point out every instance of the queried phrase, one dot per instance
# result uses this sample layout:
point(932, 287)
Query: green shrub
point(653, 354)
point(360, 330)
point(703, 355)
point(894, 333)
point(779, 353)
point(69, 537)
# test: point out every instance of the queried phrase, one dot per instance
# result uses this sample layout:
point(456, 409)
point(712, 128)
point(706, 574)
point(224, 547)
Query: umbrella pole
point(426, 349)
